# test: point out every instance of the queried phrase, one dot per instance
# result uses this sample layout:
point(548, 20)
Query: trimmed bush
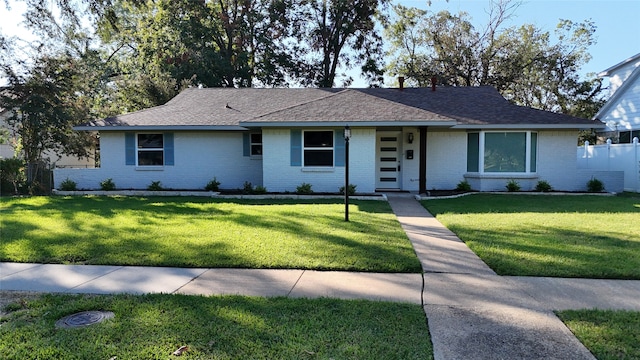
point(543, 186)
point(155, 186)
point(352, 189)
point(213, 185)
point(513, 186)
point(594, 185)
point(107, 185)
point(68, 185)
point(304, 189)
point(463, 186)
point(260, 190)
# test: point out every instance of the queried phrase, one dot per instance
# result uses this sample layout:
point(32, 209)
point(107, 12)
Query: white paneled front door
point(388, 160)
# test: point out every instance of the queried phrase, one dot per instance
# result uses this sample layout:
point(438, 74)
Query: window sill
point(149, 168)
point(501, 175)
point(318, 169)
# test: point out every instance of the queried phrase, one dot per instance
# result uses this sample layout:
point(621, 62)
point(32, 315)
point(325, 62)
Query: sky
point(617, 21)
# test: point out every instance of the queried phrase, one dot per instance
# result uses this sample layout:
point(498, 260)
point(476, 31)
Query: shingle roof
point(234, 108)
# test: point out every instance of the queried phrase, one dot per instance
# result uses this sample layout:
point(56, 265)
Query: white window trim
point(481, 144)
point(138, 149)
point(332, 148)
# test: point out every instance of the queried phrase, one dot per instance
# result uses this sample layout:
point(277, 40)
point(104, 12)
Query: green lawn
point(203, 232)
point(608, 335)
point(231, 327)
point(560, 236)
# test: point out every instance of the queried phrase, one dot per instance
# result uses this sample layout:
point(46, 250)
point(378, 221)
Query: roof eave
point(162, 128)
point(595, 125)
point(281, 124)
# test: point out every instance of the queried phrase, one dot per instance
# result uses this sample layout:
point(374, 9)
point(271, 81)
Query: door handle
point(398, 167)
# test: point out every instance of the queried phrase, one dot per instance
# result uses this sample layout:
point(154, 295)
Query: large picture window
point(318, 148)
point(502, 152)
point(150, 149)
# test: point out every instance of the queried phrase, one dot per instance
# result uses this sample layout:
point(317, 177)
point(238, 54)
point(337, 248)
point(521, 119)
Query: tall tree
point(44, 104)
point(339, 34)
point(522, 63)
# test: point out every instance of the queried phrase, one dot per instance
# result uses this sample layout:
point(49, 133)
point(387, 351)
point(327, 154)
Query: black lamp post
point(347, 136)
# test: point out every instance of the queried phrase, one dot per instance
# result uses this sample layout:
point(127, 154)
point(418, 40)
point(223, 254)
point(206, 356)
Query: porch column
point(422, 178)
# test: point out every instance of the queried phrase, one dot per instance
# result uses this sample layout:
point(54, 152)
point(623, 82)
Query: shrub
point(155, 186)
point(12, 176)
point(304, 189)
point(352, 189)
point(513, 185)
point(595, 185)
point(260, 190)
point(107, 185)
point(247, 188)
point(463, 186)
point(68, 185)
point(543, 186)
point(213, 185)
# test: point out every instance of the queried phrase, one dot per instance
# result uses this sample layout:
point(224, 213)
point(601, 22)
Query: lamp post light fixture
point(347, 137)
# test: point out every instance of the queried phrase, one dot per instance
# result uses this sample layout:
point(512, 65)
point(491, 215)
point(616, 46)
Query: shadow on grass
point(231, 327)
point(89, 230)
point(559, 236)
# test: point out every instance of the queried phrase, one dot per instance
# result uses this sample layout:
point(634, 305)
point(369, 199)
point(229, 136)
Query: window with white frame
point(318, 148)
point(502, 152)
point(150, 149)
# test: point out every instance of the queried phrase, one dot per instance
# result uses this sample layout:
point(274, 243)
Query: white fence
point(613, 157)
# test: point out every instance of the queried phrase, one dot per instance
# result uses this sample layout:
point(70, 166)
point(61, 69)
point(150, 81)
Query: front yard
point(228, 327)
point(558, 236)
point(197, 232)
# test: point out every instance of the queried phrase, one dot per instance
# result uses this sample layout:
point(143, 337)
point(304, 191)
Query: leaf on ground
point(181, 350)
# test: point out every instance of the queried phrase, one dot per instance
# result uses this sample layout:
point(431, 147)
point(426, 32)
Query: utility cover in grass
point(83, 319)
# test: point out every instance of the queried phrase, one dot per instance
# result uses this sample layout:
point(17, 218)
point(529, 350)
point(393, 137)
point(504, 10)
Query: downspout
point(422, 179)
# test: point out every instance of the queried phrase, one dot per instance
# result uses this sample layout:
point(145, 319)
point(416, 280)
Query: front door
point(388, 156)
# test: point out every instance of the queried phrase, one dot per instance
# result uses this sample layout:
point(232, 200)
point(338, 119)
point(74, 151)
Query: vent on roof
point(434, 80)
point(401, 82)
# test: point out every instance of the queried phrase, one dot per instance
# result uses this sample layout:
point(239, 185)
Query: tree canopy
point(523, 63)
point(96, 58)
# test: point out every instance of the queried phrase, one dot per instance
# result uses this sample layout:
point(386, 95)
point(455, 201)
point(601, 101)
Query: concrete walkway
point(475, 314)
point(472, 312)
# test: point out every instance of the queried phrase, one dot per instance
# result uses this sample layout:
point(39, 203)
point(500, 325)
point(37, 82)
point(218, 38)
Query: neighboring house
point(621, 113)
point(413, 139)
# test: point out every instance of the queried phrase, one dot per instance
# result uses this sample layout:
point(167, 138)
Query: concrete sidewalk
point(96, 279)
point(475, 314)
point(472, 312)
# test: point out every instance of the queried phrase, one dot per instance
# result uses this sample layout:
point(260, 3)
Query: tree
point(338, 33)
point(522, 63)
point(43, 105)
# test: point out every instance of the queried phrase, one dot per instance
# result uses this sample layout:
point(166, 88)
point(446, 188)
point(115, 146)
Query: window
point(626, 137)
point(256, 144)
point(150, 149)
point(318, 148)
point(502, 152)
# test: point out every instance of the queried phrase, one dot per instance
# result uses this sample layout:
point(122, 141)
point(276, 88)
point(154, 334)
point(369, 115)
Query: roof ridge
point(330, 94)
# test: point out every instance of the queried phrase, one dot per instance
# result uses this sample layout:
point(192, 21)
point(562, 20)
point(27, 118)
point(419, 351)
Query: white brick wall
point(199, 156)
point(280, 176)
point(446, 158)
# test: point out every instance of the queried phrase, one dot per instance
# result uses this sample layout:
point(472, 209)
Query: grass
point(231, 327)
point(607, 334)
point(202, 232)
point(558, 236)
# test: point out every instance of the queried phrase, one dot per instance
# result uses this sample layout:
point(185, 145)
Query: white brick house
point(402, 139)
